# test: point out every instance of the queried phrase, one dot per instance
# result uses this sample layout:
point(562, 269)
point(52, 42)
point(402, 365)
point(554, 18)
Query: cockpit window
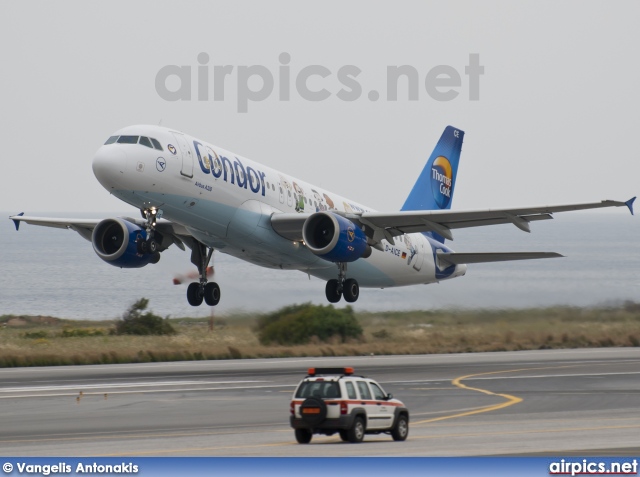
point(128, 140)
point(145, 141)
point(156, 144)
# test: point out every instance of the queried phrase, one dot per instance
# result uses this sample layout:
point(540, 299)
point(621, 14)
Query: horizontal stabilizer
point(460, 258)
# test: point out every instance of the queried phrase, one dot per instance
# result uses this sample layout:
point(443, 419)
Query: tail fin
point(434, 188)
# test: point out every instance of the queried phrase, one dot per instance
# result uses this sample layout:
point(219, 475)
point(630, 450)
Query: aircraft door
point(187, 155)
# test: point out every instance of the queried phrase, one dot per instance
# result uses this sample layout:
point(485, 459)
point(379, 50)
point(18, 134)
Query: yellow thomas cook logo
point(441, 181)
point(351, 234)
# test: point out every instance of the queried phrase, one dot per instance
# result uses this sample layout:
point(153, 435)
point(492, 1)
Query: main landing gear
point(209, 292)
point(152, 244)
point(347, 287)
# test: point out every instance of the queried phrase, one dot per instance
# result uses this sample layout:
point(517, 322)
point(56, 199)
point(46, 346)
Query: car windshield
point(319, 389)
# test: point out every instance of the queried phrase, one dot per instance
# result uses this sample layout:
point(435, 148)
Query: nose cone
point(108, 166)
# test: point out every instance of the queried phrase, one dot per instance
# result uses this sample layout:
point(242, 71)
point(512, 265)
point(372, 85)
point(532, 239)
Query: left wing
point(379, 225)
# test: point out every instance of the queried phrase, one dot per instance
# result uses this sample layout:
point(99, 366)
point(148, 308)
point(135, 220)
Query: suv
point(331, 400)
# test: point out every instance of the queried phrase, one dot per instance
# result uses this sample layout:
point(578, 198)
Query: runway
point(561, 402)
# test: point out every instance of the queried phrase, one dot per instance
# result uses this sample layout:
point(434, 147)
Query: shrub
point(298, 324)
point(36, 334)
point(134, 322)
point(81, 332)
point(381, 334)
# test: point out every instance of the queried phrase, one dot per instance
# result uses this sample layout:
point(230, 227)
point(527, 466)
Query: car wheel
point(400, 430)
point(356, 433)
point(313, 411)
point(303, 436)
point(344, 435)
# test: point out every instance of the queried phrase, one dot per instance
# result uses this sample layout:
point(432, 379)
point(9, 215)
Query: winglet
point(17, 222)
point(629, 204)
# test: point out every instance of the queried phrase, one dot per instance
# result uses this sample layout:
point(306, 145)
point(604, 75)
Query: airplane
point(193, 194)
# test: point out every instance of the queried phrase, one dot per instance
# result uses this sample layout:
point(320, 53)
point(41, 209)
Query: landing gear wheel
point(351, 290)
point(401, 429)
point(211, 293)
point(356, 433)
point(303, 436)
point(332, 292)
point(197, 292)
point(143, 246)
point(194, 297)
point(153, 246)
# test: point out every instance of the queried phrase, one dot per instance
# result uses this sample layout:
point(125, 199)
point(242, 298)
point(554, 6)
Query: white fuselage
point(226, 202)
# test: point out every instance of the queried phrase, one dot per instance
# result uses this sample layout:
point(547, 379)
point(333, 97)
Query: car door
point(368, 404)
point(383, 411)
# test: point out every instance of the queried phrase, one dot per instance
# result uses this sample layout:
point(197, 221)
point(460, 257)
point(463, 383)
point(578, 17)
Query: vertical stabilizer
point(434, 188)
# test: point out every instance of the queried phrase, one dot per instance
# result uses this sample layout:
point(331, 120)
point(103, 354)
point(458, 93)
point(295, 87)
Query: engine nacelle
point(116, 242)
point(334, 238)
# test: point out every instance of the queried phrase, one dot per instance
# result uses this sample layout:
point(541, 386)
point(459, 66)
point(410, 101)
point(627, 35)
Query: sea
point(55, 272)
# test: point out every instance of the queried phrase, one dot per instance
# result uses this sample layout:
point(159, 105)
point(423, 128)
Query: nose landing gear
point(347, 287)
point(152, 244)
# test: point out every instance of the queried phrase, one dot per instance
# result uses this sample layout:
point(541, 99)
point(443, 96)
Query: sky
point(554, 120)
point(550, 110)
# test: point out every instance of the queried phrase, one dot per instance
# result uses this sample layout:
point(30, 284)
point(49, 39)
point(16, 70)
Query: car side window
point(378, 395)
point(364, 390)
point(351, 391)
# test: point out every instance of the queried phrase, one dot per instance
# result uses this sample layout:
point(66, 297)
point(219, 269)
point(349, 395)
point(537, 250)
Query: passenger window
point(145, 141)
point(378, 395)
point(351, 391)
point(111, 140)
point(128, 140)
point(364, 390)
point(156, 144)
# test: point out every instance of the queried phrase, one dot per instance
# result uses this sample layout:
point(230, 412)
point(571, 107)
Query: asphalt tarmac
point(549, 402)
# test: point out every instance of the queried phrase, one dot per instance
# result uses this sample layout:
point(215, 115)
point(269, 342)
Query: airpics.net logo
point(291, 80)
point(441, 181)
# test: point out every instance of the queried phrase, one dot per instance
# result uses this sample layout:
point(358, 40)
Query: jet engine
point(334, 238)
point(117, 242)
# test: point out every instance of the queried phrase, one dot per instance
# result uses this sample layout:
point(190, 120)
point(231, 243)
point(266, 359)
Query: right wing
point(174, 233)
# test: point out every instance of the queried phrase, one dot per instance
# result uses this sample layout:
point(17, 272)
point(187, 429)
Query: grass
point(41, 341)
